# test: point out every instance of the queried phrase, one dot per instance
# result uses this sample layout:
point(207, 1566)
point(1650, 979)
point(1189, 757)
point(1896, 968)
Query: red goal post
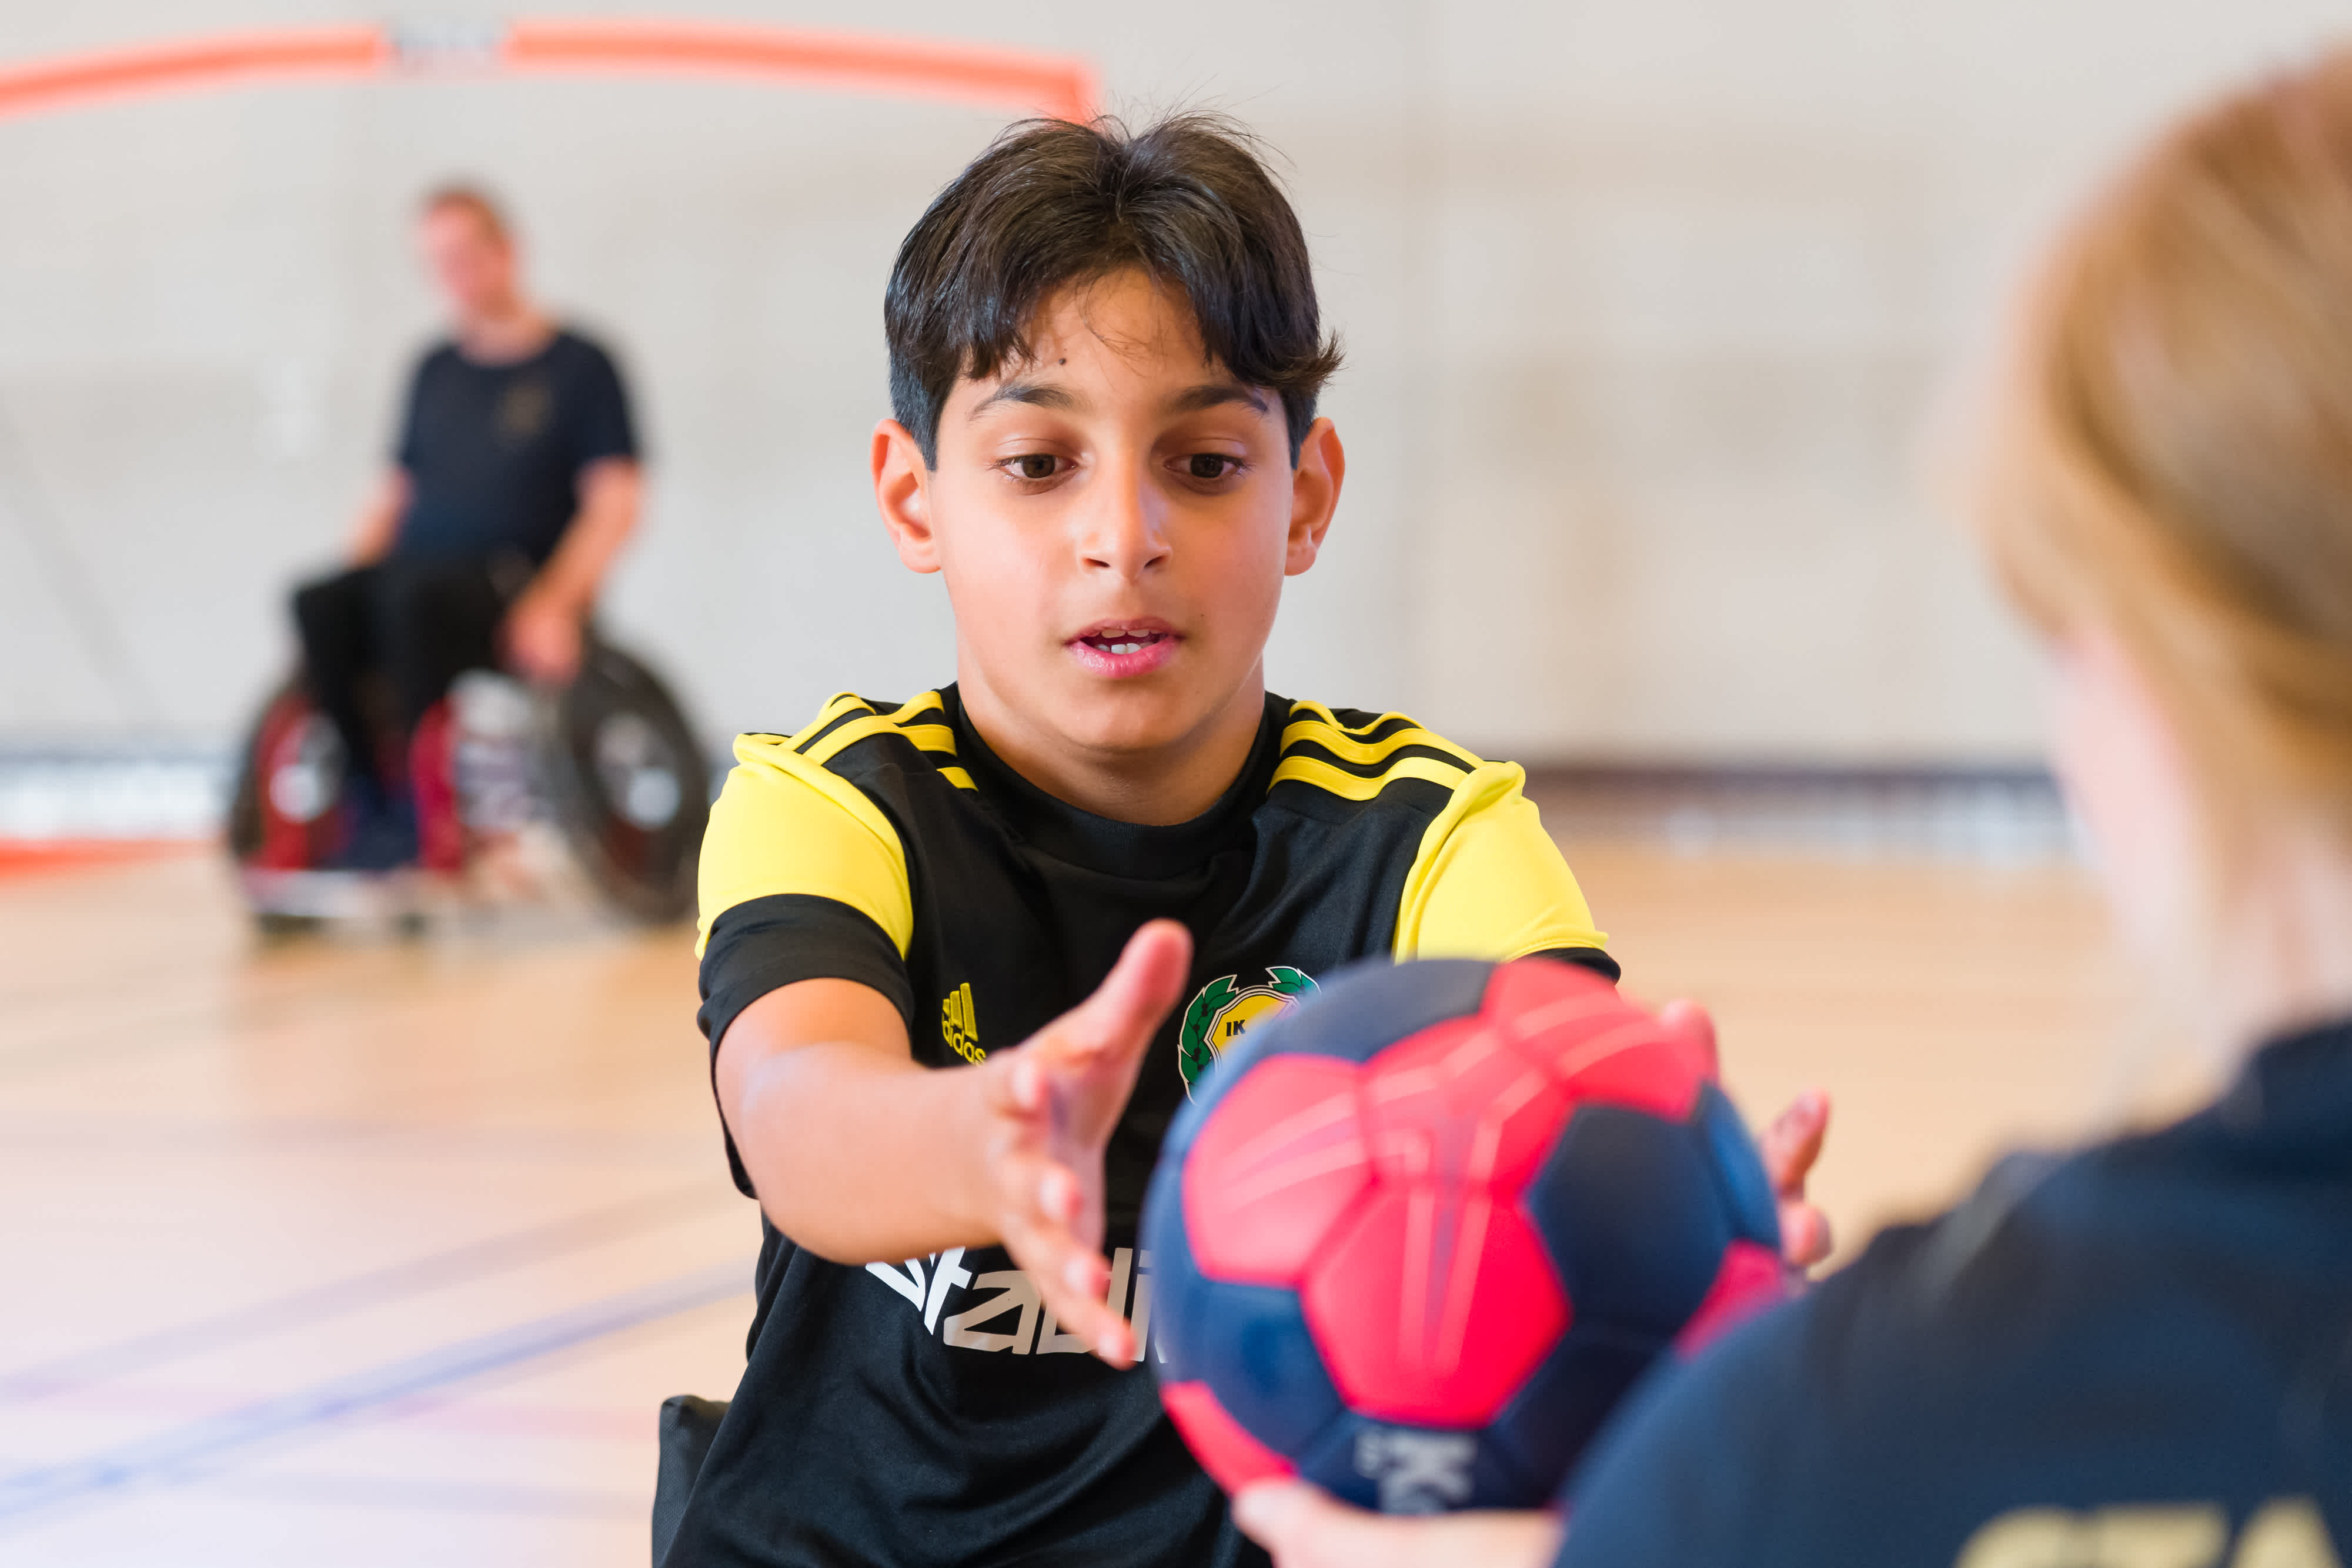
point(1015, 80)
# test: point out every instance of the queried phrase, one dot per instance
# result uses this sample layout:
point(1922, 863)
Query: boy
point(1105, 357)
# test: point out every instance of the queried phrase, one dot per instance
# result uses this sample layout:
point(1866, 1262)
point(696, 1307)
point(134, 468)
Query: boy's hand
point(1307, 1528)
point(1789, 1146)
point(1051, 1105)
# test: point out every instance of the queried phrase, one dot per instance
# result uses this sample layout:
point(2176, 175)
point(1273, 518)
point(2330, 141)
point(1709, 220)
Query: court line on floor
point(266, 998)
point(375, 1287)
point(25, 857)
point(262, 1138)
point(192, 1023)
point(119, 1402)
point(314, 1488)
point(187, 1452)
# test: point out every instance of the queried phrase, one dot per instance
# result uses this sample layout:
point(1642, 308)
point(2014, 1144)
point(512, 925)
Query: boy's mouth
point(1124, 649)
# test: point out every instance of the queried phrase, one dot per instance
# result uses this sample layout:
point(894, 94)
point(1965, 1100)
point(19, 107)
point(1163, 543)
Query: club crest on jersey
point(1226, 1009)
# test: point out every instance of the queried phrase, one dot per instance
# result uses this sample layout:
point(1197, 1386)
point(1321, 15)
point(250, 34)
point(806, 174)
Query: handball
point(1414, 1241)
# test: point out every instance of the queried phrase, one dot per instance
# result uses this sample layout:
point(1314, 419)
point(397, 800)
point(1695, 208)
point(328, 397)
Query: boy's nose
point(1122, 530)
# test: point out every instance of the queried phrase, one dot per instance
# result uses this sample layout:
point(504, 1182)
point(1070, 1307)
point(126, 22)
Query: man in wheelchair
point(514, 486)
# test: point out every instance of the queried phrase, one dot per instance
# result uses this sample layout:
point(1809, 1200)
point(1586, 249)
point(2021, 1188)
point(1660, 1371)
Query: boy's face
point(1114, 518)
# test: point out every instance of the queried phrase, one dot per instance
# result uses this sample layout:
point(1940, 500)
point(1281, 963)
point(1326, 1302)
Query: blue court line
point(375, 1287)
point(187, 1452)
point(412, 1495)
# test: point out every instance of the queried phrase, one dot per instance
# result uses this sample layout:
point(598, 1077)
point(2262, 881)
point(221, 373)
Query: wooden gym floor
point(362, 1251)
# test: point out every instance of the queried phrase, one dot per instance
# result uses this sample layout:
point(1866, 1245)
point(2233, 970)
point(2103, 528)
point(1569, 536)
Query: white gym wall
point(1648, 304)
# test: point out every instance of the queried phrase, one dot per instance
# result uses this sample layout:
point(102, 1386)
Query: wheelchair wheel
point(283, 813)
point(629, 784)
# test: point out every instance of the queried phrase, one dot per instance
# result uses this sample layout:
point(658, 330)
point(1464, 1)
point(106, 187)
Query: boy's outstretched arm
point(863, 1155)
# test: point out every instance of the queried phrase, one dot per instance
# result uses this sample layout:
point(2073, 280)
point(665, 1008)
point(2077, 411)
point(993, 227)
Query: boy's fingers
point(1790, 1148)
point(1059, 1196)
point(1105, 1332)
point(1038, 1196)
point(1804, 1234)
point(1043, 1208)
point(1024, 1086)
point(1044, 1203)
point(1073, 1281)
point(1124, 1010)
point(1792, 1143)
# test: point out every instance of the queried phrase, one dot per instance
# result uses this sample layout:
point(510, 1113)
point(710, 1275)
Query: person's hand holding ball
point(1412, 1244)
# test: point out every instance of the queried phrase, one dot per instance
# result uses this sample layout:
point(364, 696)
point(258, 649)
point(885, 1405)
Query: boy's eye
point(1211, 465)
point(1033, 465)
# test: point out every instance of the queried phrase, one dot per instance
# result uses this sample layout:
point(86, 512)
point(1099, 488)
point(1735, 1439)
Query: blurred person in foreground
point(2140, 1355)
point(514, 486)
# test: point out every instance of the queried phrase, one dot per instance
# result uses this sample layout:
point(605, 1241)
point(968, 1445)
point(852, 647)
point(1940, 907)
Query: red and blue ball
point(1414, 1241)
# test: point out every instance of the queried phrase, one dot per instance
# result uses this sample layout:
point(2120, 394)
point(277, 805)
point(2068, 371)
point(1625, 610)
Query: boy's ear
point(902, 492)
point(1313, 493)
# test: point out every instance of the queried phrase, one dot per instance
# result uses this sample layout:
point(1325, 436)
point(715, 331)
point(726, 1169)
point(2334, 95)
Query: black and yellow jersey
point(932, 1411)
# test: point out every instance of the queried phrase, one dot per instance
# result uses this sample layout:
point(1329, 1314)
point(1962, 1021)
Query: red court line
point(1020, 81)
point(20, 857)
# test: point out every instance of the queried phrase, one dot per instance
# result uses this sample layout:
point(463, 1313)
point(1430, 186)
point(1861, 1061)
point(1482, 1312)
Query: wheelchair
point(599, 787)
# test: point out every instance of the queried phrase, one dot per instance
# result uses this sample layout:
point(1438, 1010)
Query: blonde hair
point(2172, 460)
point(471, 199)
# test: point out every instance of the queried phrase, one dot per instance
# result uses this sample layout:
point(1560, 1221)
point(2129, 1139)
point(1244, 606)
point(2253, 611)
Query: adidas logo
point(959, 1025)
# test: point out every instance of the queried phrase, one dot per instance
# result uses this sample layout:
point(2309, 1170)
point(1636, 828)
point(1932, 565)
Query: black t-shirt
point(2140, 1354)
point(493, 453)
point(931, 1411)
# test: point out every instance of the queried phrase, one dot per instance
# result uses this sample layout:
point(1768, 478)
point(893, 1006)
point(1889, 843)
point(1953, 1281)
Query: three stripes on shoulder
point(1355, 762)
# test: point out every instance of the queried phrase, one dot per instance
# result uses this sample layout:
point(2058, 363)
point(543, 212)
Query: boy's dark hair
point(1051, 203)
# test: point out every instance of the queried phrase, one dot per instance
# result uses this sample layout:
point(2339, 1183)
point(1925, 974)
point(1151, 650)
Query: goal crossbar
point(1016, 80)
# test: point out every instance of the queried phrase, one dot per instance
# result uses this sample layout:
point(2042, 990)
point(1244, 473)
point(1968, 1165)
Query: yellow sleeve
point(1488, 882)
point(783, 824)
